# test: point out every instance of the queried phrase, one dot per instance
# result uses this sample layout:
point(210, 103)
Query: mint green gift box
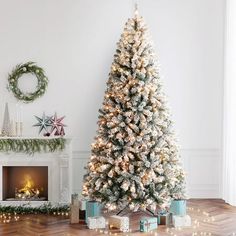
point(178, 207)
point(93, 209)
point(148, 223)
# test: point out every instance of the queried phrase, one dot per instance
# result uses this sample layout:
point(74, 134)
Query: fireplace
point(25, 183)
point(48, 172)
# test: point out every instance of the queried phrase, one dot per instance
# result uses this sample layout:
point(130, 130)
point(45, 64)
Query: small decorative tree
point(6, 126)
point(135, 159)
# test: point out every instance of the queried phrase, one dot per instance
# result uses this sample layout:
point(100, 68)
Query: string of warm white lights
point(13, 217)
point(205, 217)
point(61, 213)
point(8, 217)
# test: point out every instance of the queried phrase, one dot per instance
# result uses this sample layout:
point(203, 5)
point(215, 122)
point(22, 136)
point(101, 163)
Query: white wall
point(229, 125)
point(74, 41)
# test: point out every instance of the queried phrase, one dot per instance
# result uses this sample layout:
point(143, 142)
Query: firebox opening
point(25, 183)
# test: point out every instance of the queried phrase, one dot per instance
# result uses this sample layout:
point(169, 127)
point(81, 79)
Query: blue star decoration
point(43, 123)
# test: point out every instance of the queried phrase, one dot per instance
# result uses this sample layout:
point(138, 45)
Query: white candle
point(17, 113)
point(21, 114)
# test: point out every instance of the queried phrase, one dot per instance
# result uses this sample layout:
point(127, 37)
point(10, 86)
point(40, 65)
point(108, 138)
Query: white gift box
point(97, 222)
point(181, 221)
point(119, 222)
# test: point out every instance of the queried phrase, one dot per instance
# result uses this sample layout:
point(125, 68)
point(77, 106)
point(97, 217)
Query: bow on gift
point(163, 212)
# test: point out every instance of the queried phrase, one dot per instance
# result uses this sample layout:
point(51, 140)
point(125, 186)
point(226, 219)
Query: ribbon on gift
point(148, 224)
point(162, 213)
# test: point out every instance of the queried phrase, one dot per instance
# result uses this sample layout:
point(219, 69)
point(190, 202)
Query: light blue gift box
point(178, 207)
point(93, 209)
point(148, 223)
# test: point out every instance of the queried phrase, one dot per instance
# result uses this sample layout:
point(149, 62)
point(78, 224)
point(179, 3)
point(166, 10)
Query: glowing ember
point(28, 191)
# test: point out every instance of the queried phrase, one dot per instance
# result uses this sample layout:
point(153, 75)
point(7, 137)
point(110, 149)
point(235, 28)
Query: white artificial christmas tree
point(134, 160)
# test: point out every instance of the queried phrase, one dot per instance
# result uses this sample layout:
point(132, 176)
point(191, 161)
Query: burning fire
point(28, 191)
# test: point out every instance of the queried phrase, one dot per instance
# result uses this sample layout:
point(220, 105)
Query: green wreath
point(18, 71)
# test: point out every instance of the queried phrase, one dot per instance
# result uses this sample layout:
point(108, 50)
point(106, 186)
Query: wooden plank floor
point(209, 217)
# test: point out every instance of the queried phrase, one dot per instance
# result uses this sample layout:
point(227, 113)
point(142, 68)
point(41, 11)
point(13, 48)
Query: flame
point(28, 184)
point(28, 190)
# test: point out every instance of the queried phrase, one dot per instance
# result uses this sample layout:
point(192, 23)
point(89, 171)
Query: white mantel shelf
point(34, 138)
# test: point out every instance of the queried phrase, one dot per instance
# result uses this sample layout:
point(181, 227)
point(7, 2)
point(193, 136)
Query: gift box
point(119, 222)
point(93, 208)
point(82, 214)
point(181, 221)
point(74, 214)
point(97, 222)
point(74, 209)
point(178, 207)
point(164, 218)
point(82, 209)
point(148, 223)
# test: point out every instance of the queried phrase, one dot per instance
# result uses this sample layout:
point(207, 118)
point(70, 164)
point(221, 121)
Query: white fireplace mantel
point(59, 171)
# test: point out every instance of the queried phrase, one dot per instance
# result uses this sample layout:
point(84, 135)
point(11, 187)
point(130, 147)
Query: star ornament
point(57, 125)
point(43, 123)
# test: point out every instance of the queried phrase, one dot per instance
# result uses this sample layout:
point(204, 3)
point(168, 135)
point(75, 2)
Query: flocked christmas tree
point(134, 160)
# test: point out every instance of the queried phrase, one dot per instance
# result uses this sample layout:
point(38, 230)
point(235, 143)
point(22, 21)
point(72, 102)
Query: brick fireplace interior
point(25, 183)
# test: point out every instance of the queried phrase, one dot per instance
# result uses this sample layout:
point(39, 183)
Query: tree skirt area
point(209, 217)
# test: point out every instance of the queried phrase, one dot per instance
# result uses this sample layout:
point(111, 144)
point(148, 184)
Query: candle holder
point(21, 128)
point(16, 128)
